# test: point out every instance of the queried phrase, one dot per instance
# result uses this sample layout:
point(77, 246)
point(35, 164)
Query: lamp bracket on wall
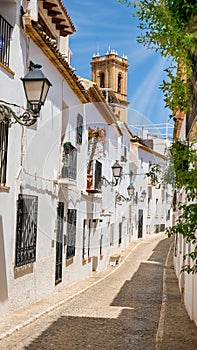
point(107, 182)
point(120, 198)
point(8, 116)
point(116, 172)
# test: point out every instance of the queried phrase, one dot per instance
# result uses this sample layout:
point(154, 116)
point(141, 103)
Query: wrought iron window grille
point(71, 232)
point(69, 168)
point(5, 36)
point(26, 229)
point(79, 129)
point(3, 151)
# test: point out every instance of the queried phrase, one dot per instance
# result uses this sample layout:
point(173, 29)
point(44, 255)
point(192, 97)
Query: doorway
point(120, 233)
point(140, 223)
point(59, 243)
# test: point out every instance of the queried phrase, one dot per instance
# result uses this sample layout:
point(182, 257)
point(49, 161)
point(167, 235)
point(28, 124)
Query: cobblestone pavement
point(122, 311)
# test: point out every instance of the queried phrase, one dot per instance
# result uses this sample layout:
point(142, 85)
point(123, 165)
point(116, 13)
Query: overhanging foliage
point(181, 172)
point(170, 27)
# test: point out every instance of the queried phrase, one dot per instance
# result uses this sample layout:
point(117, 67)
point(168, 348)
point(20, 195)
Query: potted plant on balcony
point(98, 134)
point(67, 146)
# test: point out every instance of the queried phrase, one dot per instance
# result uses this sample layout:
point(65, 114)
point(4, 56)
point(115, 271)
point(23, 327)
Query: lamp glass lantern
point(130, 190)
point(36, 87)
point(143, 194)
point(116, 170)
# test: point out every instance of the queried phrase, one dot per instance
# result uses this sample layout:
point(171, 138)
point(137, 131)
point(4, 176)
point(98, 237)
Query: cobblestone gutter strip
point(160, 330)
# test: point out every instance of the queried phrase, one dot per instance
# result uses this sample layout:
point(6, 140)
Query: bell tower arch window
point(119, 82)
point(102, 80)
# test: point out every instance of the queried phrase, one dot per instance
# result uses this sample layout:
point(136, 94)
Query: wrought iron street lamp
point(36, 87)
point(143, 194)
point(116, 172)
point(131, 191)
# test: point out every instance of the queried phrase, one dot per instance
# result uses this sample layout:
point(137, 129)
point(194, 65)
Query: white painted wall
point(34, 162)
point(155, 209)
point(187, 282)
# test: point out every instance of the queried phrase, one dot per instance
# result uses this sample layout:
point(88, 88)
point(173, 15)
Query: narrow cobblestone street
point(122, 311)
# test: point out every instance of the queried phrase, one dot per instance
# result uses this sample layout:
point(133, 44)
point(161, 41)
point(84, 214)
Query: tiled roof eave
point(67, 15)
point(56, 8)
point(53, 54)
point(147, 149)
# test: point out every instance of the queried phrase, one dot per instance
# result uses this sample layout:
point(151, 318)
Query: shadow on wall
point(3, 275)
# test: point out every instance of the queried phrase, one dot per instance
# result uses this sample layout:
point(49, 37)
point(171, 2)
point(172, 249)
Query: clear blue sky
point(106, 23)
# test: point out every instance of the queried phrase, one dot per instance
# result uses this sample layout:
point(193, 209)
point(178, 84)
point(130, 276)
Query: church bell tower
point(110, 72)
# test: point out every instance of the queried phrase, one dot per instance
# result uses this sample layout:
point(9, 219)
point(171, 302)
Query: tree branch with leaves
point(181, 172)
point(170, 27)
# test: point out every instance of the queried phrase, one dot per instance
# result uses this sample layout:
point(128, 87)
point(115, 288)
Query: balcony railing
point(69, 169)
point(5, 35)
point(69, 172)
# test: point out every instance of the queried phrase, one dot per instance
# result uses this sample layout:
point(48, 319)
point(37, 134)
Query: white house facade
point(185, 128)
point(62, 212)
point(33, 205)
point(151, 203)
point(56, 226)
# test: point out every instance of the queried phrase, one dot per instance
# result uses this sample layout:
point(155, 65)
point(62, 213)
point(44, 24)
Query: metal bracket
point(8, 116)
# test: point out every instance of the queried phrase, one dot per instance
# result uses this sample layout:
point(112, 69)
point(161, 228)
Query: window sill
point(4, 188)
point(20, 271)
point(69, 261)
point(67, 181)
point(90, 193)
point(7, 69)
point(93, 190)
